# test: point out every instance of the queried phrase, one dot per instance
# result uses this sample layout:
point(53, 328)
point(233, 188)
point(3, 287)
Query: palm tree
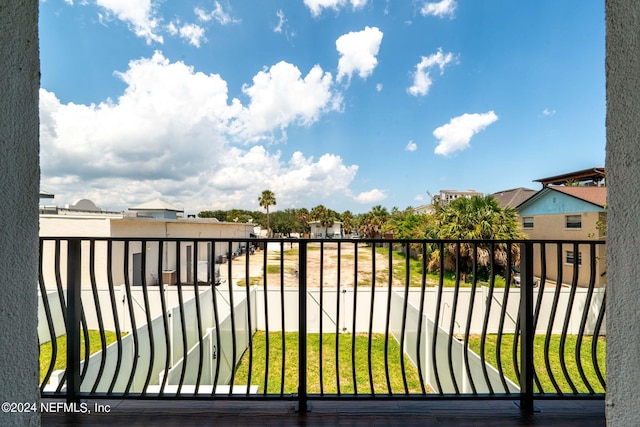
point(267, 199)
point(324, 215)
point(347, 221)
point(475, 218)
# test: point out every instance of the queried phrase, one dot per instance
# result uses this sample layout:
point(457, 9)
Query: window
point(570, 258)
point(573, 221)
point(527, 222)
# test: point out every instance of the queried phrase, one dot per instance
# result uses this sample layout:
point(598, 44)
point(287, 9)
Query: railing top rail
point(320, 240)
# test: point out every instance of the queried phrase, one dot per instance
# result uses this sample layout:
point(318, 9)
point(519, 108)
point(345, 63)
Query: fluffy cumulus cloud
point(440, 9)
point(411, 146)
point(281, 96)
point(372, 196)
point(421, 77)
point(139, 14)
point(171, 135)
point(317, 6)
point(358, 51)
point(456, 135)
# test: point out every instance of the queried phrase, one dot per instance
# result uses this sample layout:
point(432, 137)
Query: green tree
point(283, 222)
point(327, 217)
point(239, 215)
point(265, 200)
point(348, 221)
point(220, 215)
point(304, 216)
point(371, 223)
point(475, 218)
point(407, 224)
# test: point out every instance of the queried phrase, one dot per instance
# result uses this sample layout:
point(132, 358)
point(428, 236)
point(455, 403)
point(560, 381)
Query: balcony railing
point(322, 319)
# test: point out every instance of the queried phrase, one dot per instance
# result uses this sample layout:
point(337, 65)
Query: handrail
point(226, 342)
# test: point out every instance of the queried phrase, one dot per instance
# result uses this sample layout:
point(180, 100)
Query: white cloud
point(218, 14)
point(282, 27)
point(546, 112)
point(379, 87)
point(358, 52)
point(372, 196)
point(439, 9)
point(280, 96)
point(193, 33)
point(168, 136)
point(422, 78)
point(281, 21)
point(411, 146)
point(316, 6)
point(456, 135)
point(140, 14)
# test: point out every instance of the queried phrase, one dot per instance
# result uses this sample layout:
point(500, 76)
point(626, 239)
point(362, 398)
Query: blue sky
point(346, 103)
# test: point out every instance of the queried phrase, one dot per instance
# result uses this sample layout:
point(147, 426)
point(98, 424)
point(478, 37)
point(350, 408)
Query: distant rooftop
point(593, 176)
point(594, 195)
point(156, 205)
point(513, 197)
point(157, 209)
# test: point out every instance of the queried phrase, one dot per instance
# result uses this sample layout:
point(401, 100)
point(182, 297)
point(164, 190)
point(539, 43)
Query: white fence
point(337, 313)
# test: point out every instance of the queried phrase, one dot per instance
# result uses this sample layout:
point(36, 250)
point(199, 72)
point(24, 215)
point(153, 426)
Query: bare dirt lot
point(327, 263)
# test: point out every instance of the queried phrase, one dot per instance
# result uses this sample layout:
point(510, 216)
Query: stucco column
point(19, 182)
point(623, 222)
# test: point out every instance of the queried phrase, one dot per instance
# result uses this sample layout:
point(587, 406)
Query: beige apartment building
point(560, 213)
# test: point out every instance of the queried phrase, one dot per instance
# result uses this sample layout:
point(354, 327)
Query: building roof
point(595, 175)
point(46, 195)
point(514, 197)
point(596, 196)
point(593, 195)
point(156, 205)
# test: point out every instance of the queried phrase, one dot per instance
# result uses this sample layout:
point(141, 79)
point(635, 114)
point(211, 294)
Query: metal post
point(527, 327)
point(73, 319)
point(302, 327)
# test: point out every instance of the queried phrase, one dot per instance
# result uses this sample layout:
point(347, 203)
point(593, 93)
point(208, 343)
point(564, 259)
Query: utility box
point(169, 277)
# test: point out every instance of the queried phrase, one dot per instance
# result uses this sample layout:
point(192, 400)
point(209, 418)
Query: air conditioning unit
point(169, 277)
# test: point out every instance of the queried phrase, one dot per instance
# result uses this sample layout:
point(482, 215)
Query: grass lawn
point(330, 382)
point(61, 356)
point(554, 361)
point(433, 279)
point(253, 280)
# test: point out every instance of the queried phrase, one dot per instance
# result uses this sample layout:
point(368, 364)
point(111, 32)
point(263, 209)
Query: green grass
point(330, 383)
point(554, 361)
point(432, 279)
point(273, 269)
point(254, 280)
point(46, 350)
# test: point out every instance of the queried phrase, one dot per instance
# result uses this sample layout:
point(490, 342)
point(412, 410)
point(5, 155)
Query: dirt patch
point(328, 263)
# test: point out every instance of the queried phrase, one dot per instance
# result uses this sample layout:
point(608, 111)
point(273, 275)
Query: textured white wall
point(19, 180)
point(623, 176)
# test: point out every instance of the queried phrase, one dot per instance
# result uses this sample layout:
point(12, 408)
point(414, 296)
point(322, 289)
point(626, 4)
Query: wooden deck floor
point(133, 413)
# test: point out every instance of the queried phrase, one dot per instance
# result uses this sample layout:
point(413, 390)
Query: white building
point(146, 227)
point(447, 196)
point(319, 231)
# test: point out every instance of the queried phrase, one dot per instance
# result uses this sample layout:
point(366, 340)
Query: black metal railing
point(306, 319)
